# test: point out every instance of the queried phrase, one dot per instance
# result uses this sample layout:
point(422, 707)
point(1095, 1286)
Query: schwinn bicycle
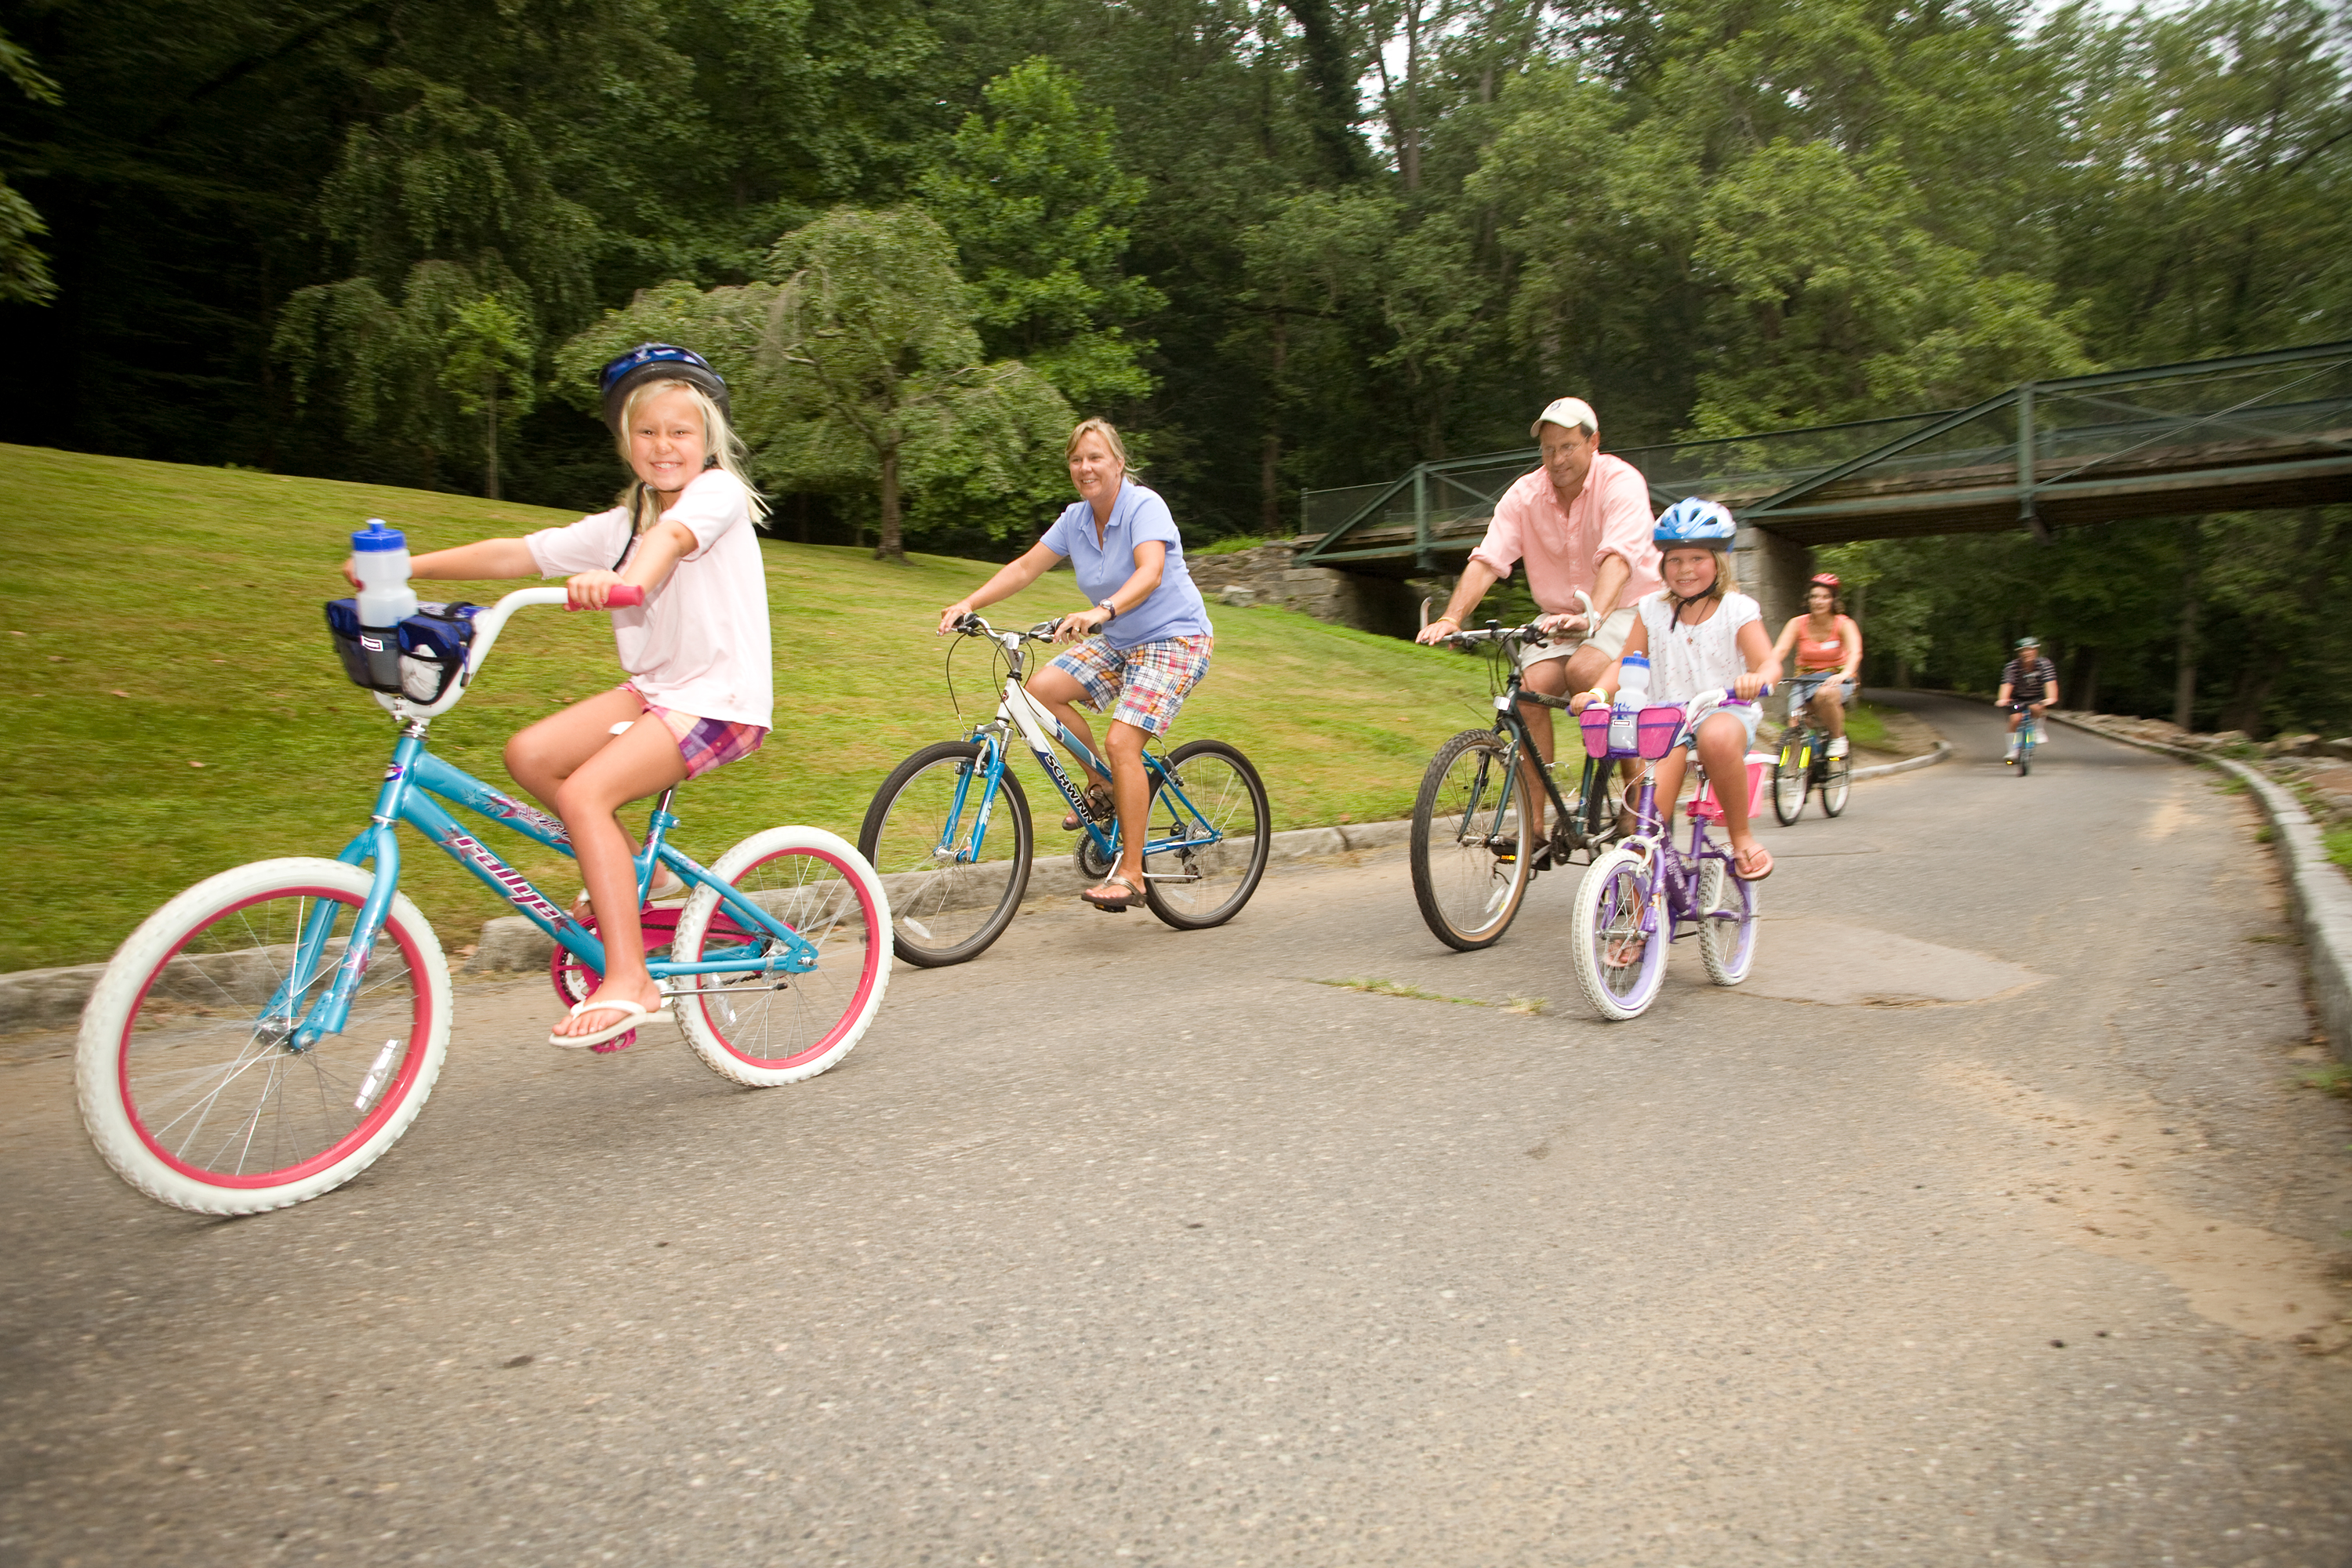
point(1804, 764)
point(1473, 848)
point(266, 1035)
point(949, 830)
point(1645, 894)
point(2029, 735)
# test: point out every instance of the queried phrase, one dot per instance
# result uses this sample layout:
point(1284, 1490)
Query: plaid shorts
point(704, 743)
point(1146, 681)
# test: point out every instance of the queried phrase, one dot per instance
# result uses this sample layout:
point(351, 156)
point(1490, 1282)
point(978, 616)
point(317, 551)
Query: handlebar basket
point(371, 655)
point(1655, 730)
point(1595, 720)
point(418, 659)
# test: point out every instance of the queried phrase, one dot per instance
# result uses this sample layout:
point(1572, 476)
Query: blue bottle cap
point(376, 536)
point(1641, 658)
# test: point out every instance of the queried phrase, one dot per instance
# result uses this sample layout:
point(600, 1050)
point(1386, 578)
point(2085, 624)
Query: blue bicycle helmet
point(1695, 521)
point(656, 361)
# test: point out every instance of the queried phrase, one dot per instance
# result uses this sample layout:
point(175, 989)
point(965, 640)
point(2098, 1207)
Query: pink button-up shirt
point(1610, 516)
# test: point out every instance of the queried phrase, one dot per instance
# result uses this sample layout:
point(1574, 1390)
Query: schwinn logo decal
point(520, 892)
point(1054, 766)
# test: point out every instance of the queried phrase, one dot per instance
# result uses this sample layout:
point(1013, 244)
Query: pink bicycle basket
point(1595, 720)
point(1657, 728)
point(1706, 808)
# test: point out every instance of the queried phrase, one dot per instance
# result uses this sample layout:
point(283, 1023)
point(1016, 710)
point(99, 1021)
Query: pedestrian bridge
point(2243, 434)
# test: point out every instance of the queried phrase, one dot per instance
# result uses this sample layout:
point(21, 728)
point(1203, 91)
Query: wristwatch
point(1109, 610)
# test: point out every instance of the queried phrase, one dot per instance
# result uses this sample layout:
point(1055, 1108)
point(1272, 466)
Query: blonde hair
point(1104, 428)
point(719, 442)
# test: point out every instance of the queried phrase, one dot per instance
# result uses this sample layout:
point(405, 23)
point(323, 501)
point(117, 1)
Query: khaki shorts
point(1609, 639)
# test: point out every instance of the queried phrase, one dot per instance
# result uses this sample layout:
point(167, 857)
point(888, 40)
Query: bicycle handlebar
point(620, 597)
point(1528, 634)
point(492, 621)
point(972, 625)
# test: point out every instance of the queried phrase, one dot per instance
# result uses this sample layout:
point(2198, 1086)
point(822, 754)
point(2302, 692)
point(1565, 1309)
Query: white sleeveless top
point(1687, 659)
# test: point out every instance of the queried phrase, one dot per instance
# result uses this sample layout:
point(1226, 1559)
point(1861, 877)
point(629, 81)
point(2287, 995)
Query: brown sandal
point(1113, 906)
point(1099, 806)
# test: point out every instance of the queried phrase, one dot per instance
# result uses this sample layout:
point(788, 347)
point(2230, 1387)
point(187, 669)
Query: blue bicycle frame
point(1196, 832)
point(410, 784)
point(1021, 711)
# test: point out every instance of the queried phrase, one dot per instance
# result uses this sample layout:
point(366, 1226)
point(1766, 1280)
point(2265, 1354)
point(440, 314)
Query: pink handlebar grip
point(621, 596)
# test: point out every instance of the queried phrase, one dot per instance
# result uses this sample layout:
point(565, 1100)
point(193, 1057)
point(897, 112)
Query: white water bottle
point(1633, 692)
point(380, 561)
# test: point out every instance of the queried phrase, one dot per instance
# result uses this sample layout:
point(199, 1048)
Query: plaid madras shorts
point(704, 743)
point(1147, 683)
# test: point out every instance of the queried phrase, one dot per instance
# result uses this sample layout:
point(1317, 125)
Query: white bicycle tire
point(97, 1052)
point(695, 918)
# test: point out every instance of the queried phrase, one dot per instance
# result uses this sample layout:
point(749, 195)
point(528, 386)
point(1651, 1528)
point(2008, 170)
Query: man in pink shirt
point(1580, 521)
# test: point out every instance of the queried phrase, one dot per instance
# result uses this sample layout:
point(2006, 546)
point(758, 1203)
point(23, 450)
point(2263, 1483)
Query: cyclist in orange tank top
point(1828, 646)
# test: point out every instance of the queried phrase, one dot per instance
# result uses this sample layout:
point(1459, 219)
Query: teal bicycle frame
point(410, 784)
point(1039, 730)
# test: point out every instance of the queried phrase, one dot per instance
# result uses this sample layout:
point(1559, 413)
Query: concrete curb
point(513, 943)
point(53, 998)
point(2319, 893)
point(1924, 760)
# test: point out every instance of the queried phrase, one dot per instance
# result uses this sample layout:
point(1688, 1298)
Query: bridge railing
point(1439, 505)
point(2272, 428)
point(2259, 429)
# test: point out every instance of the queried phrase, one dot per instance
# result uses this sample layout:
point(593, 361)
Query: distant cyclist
point(2029, 680)
point(1582, 522)
point(1828, 646)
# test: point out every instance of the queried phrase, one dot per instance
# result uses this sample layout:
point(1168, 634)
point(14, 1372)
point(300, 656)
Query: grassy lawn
point(1865, 725)
point(179, 710)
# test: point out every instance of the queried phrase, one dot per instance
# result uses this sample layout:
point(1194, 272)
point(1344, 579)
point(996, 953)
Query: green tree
point(1032, 194)
point(877, 370)
point(2208, 208)
point(383, 361)
point(1835, 302)
point(487, 354)
point(24, 271)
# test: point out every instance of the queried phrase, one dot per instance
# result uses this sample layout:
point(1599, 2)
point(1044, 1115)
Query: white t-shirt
point(700, 642)
point(1687, 659)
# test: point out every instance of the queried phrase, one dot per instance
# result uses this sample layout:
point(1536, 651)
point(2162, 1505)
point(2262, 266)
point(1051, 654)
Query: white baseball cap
point(1569, 414)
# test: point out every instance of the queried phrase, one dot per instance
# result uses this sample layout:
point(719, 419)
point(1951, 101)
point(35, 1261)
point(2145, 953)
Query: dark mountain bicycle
point(1473, 848)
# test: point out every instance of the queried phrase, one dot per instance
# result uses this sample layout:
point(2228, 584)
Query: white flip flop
point(636, 1015)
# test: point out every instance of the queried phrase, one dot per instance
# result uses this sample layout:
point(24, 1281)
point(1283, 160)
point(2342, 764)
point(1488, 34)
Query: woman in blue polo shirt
point(1146, 636)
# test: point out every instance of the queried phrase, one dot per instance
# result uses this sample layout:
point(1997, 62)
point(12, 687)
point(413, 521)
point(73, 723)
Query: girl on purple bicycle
point(1700, 636)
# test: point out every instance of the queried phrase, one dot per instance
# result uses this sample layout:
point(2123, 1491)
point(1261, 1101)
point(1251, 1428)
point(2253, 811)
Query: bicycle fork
point(379, 842)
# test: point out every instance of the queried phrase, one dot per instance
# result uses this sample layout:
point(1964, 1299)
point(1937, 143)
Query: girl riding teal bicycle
point(270, 1032)
point(695, 651)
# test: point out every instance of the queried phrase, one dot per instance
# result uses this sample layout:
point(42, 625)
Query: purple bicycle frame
point(1676, 874)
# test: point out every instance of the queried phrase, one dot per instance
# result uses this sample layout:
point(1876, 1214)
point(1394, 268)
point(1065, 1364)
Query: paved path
point(1122, 1245)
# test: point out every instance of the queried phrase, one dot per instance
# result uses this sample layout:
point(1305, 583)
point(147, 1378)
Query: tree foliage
point(1289, 243)
point(1039, 211)
point(872, 349)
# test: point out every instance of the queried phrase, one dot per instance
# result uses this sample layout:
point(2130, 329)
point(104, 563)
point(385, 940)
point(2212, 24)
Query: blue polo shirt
point(1139, 516)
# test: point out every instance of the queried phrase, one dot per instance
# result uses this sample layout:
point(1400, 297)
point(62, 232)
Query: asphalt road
point(1123, 1245)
